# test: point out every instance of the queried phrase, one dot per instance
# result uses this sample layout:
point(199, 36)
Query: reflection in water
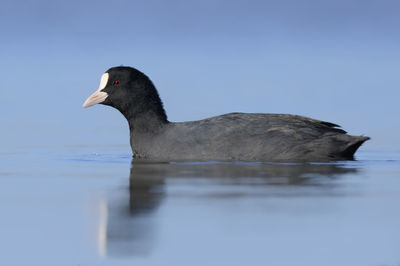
point(132, 224)
point(102, 231)
point(146, 190)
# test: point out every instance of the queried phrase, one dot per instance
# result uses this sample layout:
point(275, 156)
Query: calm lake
point(73, 206)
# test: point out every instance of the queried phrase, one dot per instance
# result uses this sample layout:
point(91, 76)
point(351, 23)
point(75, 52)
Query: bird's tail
point(352, 146)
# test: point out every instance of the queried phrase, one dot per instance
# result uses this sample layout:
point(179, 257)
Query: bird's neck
point(147, 122)
point(144, 129)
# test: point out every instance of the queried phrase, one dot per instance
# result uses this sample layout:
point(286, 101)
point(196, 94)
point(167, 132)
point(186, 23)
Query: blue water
point(88, 205)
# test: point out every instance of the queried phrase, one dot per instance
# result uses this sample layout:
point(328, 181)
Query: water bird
point(227, 137)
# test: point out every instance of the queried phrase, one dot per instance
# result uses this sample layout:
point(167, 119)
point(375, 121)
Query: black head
point(131, 92)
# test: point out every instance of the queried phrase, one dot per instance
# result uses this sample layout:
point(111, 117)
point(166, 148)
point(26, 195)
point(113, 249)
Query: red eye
point(116, 83)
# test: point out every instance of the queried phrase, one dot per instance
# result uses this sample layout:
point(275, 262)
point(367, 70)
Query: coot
point(228, 137)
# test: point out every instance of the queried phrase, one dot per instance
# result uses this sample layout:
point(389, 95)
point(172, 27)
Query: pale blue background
point(332, 60)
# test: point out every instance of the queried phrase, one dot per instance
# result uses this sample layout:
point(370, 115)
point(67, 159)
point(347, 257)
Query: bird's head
point(128, 90)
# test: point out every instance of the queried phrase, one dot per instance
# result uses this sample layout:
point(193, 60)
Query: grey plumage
point(247, 137)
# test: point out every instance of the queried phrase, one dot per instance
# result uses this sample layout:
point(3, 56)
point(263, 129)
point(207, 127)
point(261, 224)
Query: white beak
point(95, 98)
point(98, 96)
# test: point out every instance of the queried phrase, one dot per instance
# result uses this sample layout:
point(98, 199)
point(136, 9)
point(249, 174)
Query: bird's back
point(250, 137)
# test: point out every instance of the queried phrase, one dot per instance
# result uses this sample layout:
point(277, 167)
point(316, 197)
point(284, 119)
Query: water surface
point(73, 206)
